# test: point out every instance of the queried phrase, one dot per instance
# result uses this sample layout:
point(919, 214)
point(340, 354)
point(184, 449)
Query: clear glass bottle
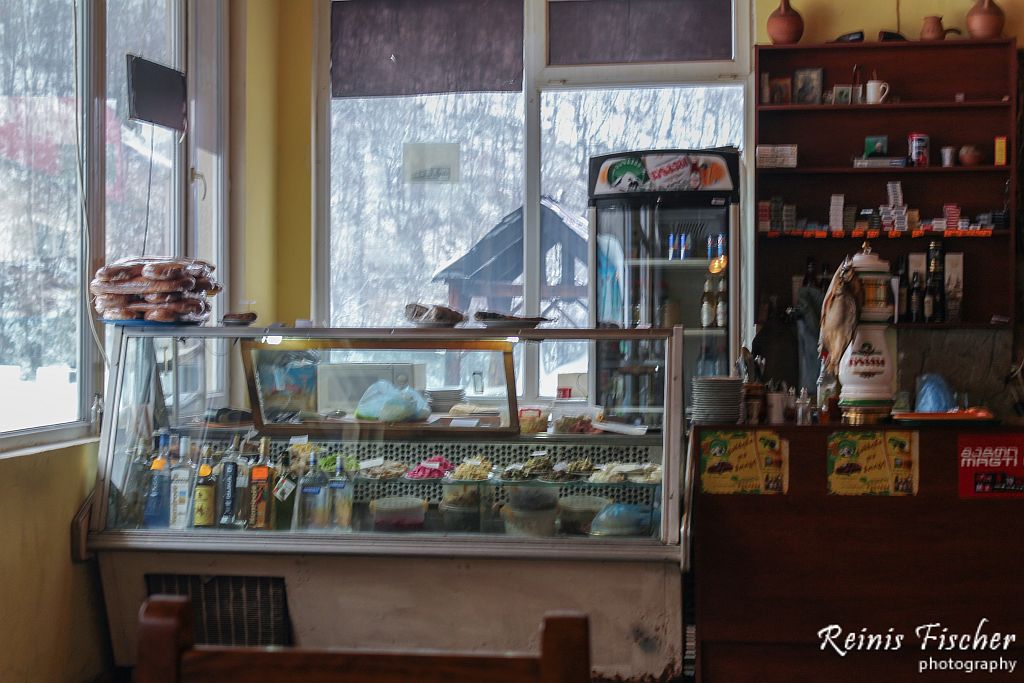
point(722, 304)
point(314, 504)
point(707, 305)
point(340, 488)
point(183, 475)
point(233, 488)
point(156, 513)
point(262, 478)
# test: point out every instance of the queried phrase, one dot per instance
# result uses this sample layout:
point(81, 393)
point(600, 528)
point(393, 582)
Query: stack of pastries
point(159, 289)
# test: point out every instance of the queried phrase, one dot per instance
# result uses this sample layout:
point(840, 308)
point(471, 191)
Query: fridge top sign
point(674, 170)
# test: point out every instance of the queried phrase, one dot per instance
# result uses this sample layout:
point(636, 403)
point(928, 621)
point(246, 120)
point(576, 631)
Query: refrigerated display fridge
point(664, 251)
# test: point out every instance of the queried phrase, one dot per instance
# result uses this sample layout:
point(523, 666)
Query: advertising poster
point(990, 465)
point(750, 462)
point(877, 463)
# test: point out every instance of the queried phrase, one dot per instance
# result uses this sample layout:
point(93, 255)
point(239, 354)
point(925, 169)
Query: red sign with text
point(991, 465)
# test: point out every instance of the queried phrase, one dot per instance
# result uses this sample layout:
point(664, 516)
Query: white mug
point(877, 91)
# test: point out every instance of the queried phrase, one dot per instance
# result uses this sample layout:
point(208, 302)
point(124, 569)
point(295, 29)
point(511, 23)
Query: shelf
point(952, 326)
point(704, 332)
point(996, 234)
point(886, 45)
point(681, 264)
point(901, 170)
point(884, 106)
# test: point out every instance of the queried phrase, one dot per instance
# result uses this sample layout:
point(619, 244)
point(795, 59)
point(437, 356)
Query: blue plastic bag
point(385, 402)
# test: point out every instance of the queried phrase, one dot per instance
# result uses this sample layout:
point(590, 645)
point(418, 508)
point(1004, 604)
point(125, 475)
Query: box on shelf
point(775, 156)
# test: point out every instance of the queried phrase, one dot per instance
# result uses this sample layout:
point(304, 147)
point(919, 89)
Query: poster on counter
point(875, 463)
point(990, 465)
point(744, 461)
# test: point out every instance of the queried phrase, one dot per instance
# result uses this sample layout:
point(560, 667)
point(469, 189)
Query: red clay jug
point(985, 20)
point(785, 25)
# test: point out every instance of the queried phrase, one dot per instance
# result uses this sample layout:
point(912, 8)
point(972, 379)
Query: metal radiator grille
point(231, 610)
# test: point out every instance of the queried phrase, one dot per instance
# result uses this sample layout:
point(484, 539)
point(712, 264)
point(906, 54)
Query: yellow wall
point(52, 627)
point(253, 146)
point(294, 159)
point(825, 20)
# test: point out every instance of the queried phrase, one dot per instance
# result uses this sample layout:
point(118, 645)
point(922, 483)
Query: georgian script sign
point(991, 465)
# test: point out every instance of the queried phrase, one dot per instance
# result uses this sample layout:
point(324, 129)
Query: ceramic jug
point(932, 29)
point(785, 25)
point(985, 20)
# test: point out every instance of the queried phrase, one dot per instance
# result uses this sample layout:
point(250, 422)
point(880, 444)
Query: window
point(434, 195)
point(46, 349)
point(40, 217)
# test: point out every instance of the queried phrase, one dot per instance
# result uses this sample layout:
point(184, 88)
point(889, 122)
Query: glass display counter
point(332, 440)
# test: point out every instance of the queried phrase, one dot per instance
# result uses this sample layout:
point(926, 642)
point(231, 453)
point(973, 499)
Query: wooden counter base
point(771, 571)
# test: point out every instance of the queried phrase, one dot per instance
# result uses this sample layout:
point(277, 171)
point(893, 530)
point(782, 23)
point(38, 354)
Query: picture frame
point(857, 94)
point(876, 146)
point(807, 85)
point(781, 90)
point(842, 94)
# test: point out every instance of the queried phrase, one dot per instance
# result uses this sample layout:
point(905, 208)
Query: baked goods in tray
point(158, 289)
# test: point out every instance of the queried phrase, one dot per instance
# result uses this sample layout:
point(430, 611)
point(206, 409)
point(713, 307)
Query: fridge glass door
point(654, 262)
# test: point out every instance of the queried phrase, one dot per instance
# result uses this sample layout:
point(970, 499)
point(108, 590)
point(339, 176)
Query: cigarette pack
point(1000, 151)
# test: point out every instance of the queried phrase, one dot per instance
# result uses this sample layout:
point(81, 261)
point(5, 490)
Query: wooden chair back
point(168, 654)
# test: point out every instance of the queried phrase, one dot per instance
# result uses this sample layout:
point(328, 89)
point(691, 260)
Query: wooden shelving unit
point(958, 93)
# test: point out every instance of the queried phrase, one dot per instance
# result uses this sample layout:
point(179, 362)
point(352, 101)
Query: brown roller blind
point(631, 31)
point(418, 47)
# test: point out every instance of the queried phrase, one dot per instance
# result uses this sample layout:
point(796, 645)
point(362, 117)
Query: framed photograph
point(876, 146)
point(807, 86)
point(857, 94)
point(781, 90)
point(842, 94)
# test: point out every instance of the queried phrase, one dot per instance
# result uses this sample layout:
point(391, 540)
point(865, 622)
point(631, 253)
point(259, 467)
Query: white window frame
point(538, 78)
point(92, 111)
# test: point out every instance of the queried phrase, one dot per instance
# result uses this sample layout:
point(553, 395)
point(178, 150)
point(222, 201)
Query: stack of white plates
point(717, 399)
point(443, 398)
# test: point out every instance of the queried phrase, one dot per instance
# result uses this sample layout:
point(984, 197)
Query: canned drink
point(918, 144)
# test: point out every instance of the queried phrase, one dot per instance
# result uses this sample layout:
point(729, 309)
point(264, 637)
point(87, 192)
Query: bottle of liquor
point(933, 299)
point(903, 296)
point(810, 274)
point(916, 299)
point(937, 278)
point(707, 305)
point(136, 483)
point(314, 504)
point(284, 492)
point(825, 277)
point(722, 305)
point(340, 489)
point(262, 478)
point(233, 488)
point(156, 514)
point(205, 503)
point(183, 475)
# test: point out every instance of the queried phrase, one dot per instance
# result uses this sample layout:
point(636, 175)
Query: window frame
point(538, 77)
point(92, 96)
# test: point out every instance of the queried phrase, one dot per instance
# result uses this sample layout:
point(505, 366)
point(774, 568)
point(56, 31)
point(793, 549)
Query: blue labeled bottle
point(156, 514)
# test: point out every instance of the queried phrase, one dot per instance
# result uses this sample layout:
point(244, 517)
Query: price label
point(284, 488)
point(372, 462)
point(473, 461)
point(298, 440)
point(431, 465)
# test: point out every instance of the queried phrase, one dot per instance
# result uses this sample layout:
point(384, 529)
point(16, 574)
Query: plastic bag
point(385, 402)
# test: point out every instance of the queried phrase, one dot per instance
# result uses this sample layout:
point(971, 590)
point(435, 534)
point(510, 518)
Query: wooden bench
point(168, 654)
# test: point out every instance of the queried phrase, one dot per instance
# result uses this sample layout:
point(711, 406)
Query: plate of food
point(493, 320)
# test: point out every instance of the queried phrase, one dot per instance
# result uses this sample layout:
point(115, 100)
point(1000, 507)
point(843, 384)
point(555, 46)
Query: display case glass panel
point(385, 435)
